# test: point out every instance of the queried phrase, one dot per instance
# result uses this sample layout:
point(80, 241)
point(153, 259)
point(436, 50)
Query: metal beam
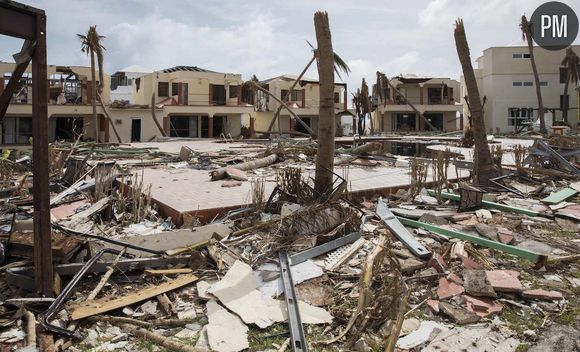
point(15, 22)
point(520, 252)
point(11, 86)
point(489, 204)
point(400, 231)
point(297, 339)
point(42, 227)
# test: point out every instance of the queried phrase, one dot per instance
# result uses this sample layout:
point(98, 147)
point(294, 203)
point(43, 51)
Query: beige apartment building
point(304, 102)
point(69, 105)
point(505, 78)
point(189, 102)
point(436, 98)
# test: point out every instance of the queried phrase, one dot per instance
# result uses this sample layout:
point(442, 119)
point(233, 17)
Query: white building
point(122, 80)
point(505, 77)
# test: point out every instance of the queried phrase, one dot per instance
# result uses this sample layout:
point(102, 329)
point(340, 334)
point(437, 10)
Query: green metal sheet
point(520, 252)
point(560, 196)
point(489, 204)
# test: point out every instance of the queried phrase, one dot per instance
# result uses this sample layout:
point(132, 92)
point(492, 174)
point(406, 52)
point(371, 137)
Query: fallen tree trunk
point(161, 130)
point(158, 339)
point(221, 173)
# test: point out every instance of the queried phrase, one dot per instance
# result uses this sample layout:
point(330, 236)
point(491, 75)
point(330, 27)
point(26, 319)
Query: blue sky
point(268, 38)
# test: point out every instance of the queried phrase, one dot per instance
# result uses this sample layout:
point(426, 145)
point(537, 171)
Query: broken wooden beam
point(87, 309)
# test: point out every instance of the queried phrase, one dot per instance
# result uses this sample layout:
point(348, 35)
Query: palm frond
point(572, 63)
point(340, 65)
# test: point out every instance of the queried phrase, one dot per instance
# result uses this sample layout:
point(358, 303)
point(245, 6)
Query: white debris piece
point(427, 331)
point(225, 331)
point(300, 273)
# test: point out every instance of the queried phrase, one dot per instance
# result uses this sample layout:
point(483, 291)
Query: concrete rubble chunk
point(459, 315)
point(558, 338)
point(426, 332)
point(430, 218)
point(543, 294)
point(225, 331)
point(181, 238)
point(438, 263)
point(238, 291)
point(482, 306)
point(236, 174)
point(433, 304)
point(448, 289)
point(476, 283)
point(409, 325)
point(535, 246)
point(504, 280)
point(483, 214)
point(472, 338)
point(486, 231)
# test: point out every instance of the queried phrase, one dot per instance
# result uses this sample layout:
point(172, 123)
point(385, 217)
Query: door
point(136, 130)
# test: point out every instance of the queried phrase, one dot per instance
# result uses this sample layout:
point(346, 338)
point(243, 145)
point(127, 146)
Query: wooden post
point(43, 273)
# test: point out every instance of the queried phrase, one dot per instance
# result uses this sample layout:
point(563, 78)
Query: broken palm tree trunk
point(221, 173)
point(484, 167)
point(286, 107)
point(326, 126)
point(161, 130)
point(287, 96)
point(109, 118)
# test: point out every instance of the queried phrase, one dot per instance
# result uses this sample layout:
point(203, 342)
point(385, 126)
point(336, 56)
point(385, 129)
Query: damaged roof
point(186, 68)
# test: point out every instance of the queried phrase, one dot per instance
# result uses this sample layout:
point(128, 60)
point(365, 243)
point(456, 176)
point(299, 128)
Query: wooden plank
point(560, 196)
point(88, 309)
point(161, 272)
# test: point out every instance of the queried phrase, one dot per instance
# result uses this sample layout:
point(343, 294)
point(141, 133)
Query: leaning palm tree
point(91, 45)
point(572, 64)
point(484, 167)
point(526, 28)
point(339, 66)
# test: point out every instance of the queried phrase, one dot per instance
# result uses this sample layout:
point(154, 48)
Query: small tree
point(526, 28)
point(572, 64)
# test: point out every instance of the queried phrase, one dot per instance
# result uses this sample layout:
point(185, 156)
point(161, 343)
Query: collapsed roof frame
point(29, 23)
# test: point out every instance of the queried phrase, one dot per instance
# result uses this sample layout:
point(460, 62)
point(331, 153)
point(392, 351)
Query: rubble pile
point(443, 265)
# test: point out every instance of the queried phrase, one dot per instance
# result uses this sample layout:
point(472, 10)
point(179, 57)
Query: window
point(336, 97)
point(295, 96)
point(163, 89)
point(563, 74)
point(526, 56)
point(543, 84)
point(516, 56)
point(233, 92)
point(517, 84)
point(528, 84)
point(518, 115)
point(174, 89)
